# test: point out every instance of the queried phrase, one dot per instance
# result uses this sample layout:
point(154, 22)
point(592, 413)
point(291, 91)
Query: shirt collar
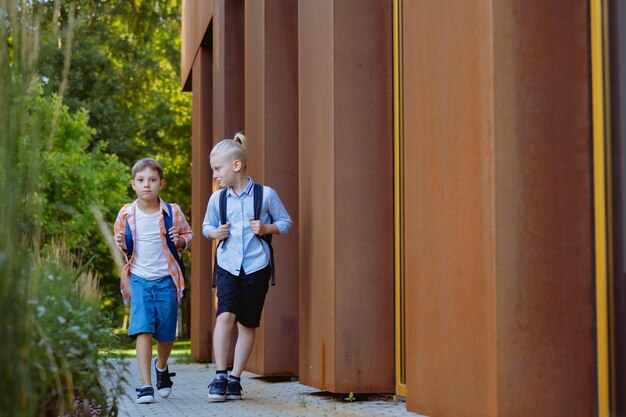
point(161, 203)
point(247, 190)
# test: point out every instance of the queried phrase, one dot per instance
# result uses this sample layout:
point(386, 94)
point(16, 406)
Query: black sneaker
point(233, 390)
point(163, 381)
point(217, 389)
point(145, 395)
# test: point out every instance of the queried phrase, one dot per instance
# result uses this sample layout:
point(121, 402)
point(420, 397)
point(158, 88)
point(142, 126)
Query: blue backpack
point(167, 219)
point(258, 202)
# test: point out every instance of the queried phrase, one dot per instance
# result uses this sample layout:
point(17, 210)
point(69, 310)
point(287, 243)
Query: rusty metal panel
point(228, 68)
point(196, 17)
point(449, 224)
point(316, 194)
point(545, 321)
point(271, 125)
point(202, 310)
point(346, 289)
point(363, 141)
point(498, 212)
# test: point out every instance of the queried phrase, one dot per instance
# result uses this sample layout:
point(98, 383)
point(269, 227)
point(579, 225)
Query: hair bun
point(241, 138)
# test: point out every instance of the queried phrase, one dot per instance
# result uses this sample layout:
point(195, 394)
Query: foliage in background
point(125, 74)
point(49, 311)
point(74, 176)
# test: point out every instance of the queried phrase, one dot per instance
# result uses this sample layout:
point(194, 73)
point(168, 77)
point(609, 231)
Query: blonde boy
point(242, 262)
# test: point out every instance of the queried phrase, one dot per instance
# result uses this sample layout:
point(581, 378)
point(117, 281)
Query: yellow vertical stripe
point(398, 202)
point(600, 203)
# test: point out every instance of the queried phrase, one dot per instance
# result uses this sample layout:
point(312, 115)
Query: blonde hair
point(235, 147)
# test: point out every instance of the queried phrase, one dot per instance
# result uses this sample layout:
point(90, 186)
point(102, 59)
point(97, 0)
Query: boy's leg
point(222, 335)
point(144, 356)
point(166, 303)
point(254, 290)
point(164, 350)
point(245, 341)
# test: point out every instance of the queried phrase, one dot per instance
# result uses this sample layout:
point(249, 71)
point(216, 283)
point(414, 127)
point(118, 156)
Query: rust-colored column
point(498, 214)
point(228, 81)
point(449, 211)
point(202, 312)
point(346, 233)
point(543, 177)
point(228, 68)
point(271, 125)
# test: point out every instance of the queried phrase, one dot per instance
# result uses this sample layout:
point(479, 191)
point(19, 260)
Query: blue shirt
point(242, 248)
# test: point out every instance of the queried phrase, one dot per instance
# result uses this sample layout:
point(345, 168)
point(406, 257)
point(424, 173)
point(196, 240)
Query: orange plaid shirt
point(127, 214)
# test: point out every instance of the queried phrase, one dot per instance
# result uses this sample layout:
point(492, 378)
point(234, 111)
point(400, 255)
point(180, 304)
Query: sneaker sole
point(146, 399)
point(233, 397)
point(217, 398)
point(164, 392)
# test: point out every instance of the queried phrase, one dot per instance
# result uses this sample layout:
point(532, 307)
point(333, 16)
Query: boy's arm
point(184, 230)
point(212, 216)
point(120, 225)
point(281, 219)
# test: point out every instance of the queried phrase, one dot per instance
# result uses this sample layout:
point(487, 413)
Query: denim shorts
point(153, 308)
point(242, 295)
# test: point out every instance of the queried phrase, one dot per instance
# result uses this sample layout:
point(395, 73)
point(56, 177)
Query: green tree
point(125, 72)
point(124, 80)
point(76, 175)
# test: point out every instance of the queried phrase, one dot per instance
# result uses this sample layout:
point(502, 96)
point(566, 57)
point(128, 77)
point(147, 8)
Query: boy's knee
point(226, 318)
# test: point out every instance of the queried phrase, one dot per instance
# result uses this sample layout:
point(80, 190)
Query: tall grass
point(50, 322)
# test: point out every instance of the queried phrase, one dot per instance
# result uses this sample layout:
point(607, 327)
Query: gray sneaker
point(217, 389)
point(145, 395)
point(233, 390)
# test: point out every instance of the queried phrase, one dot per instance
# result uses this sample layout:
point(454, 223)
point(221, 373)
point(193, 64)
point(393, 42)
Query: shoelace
point(164, 374)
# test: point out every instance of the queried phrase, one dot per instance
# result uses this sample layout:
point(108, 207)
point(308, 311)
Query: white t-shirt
point(149, 262)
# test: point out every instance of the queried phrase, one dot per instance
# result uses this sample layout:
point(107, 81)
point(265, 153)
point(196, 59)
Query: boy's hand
point(258, 228)
point(120, 241)
point(178, 241)
point(222, 232)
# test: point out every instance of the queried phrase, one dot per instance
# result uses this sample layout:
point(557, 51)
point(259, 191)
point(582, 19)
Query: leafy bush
point(67, 371)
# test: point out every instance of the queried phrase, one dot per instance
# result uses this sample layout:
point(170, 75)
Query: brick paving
point(261, 397)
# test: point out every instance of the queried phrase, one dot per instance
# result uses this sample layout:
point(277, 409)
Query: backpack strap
point(223, 220)
point(258, 204)
point(128, 237)
point(167, 219)
point(223, 200)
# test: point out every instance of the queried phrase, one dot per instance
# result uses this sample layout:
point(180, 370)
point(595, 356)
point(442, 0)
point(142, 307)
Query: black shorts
point(242, 295)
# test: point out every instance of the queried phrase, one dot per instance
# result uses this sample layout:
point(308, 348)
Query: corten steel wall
point(346, 233)
point(544, 209)
point(228, 68)
point(498, 212)
point(194, 59)
point(617, 26)
point(202, 312)
point(196, 18)
point(271, 125)
point(449, 209)
point(228, 83)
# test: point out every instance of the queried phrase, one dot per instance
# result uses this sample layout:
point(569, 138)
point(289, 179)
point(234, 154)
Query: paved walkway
point(261, 397)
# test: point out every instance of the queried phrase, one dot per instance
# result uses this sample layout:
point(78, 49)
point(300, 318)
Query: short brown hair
point(147, 163)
